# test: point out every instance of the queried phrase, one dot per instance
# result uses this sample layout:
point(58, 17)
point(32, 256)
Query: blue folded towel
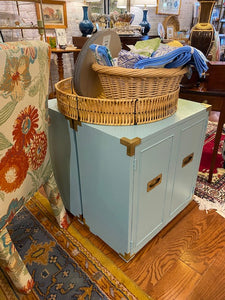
point(179, 57)
point(102, 55)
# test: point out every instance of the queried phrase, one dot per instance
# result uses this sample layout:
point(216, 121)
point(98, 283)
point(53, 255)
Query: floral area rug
point(211, 195)
point(63, 264)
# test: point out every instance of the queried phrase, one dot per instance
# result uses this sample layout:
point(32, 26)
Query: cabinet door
point(190, 145)
point(150, 188)
point(105, 176)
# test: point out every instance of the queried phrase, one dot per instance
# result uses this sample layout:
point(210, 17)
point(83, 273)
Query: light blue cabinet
point(62, 144)
point(135, 179)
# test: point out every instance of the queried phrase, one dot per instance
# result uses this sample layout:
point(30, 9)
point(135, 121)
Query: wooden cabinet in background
point(79, 41)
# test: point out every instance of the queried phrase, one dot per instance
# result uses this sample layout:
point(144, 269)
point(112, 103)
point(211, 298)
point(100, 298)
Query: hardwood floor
point(185, 261)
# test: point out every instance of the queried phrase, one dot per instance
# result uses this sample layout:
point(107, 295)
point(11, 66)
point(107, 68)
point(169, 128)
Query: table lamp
point(86, 26)
point(126, 18)
point(144, 23)
point(126, 4)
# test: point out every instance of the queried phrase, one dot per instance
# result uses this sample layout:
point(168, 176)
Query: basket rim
point(57, 84)
point(74, 94)
point(114, 112)
point(150, 72)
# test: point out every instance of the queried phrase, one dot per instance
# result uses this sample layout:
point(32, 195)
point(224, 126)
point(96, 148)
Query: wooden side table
point(59, 53)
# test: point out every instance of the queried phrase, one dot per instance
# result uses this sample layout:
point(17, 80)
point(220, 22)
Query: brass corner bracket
point(207, 106)
point(74, 123)
point(82, 220)
point(126, 256)
point(130, 144)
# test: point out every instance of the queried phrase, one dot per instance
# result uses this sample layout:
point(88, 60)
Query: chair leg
point(13, 264)
point(56, 202)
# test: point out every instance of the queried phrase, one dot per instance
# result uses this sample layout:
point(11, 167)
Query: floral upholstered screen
point(24, 158)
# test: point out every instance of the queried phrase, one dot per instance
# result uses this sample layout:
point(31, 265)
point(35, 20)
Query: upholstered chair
point(25, 163)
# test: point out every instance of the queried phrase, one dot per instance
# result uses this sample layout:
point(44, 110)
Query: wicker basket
point(114, 112)
point(123, 83)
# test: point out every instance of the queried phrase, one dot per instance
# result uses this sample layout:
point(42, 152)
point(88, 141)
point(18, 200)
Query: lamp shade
point(122, 3)
point(89, 1)
point(145, 3)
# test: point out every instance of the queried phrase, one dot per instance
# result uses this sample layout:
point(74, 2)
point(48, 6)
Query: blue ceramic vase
point(145, 26)
point(86, 26)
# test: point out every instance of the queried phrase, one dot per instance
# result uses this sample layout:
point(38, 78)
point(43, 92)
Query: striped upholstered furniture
point(24, 157)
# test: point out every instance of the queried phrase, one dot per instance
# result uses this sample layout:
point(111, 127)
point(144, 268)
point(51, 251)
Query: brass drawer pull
point(187, 159)
point(154, 182)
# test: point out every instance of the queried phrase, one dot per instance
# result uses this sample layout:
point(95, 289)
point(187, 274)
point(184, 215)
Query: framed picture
point(168, 7)
point(61, 36)
point(1, 37)
point(169, 32)
point(54, 13)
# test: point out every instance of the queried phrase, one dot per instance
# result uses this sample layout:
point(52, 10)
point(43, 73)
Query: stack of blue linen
point(102, 55)
point(178, 57)
point(181, 56)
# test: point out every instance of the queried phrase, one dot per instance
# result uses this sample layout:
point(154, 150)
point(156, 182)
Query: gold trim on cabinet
point(127, 256)
point(81, 219)
point(207, 106)
point(130, 144)
point(154, 182)
point(74, 123)
point(187, 159)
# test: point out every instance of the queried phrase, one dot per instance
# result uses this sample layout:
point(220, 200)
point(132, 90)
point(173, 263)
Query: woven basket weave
point(123, 83)
point(114, 112)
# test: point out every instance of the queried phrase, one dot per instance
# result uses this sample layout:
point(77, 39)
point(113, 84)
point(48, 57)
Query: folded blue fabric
point(163, 50)
point(102, 55)
point(182, 56)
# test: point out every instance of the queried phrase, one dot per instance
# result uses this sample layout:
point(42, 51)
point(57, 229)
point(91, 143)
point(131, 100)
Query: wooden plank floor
point(185, 261)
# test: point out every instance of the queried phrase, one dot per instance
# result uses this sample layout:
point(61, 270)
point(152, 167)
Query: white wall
point(74, 16)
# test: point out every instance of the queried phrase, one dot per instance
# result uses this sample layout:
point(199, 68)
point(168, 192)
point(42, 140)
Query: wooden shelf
point(29, 26)
point(35, 1)
point(20, 27)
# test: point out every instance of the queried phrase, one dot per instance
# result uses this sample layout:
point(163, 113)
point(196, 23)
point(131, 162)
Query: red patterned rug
point(211, 195)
